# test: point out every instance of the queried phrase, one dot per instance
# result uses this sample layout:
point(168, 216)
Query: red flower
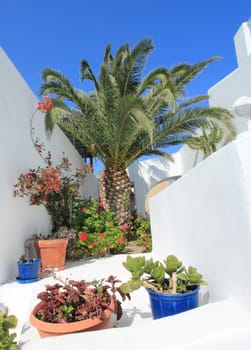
point(101, 204)
point(102, 235)
point(123, 227)
point(146, 244)
point(45, 105)
point(95, 244)
point(121, 240)
point(84, 210)
point(83, 236)
point(91, 168)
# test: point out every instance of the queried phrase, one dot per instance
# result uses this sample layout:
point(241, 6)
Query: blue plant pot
point(28, 272)
point(163, 305)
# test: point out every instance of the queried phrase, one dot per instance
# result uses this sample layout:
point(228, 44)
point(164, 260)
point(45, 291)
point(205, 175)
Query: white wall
point(17, 154)
point(238, 82)
point(205, 219)
point(145, 174)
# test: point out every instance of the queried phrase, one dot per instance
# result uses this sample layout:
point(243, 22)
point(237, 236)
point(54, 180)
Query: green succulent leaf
point(135, 265)
point(172, 264)
point(130, 286)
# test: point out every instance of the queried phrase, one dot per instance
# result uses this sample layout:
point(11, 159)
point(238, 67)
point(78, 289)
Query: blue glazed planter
point(163, 305)
point(28, 272)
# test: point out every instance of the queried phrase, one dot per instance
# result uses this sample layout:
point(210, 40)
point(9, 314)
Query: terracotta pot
point(46, 329)
point(52, 253)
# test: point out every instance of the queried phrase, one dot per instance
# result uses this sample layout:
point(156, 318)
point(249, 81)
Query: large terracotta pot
point(47, 329)
point(52, 253)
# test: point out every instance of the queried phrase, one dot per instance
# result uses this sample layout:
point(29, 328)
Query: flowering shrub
point(98, 230)
point(141, 229)
point(53, 186)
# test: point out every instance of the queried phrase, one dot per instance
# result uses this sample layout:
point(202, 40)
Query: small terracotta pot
point(51, 252)
point(46, 329)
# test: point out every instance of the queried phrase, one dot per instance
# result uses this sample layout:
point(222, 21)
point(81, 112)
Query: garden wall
point(17, 154)
point(205, 218)
point(145, 174)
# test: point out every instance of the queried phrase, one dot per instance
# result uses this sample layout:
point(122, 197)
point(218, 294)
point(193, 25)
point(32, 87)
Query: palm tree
point(127, 115)
point(209, 139)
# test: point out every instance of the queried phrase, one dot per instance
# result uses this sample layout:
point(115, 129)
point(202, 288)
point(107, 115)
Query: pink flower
point(84, 210)
point(102, 235)
point(101, 204)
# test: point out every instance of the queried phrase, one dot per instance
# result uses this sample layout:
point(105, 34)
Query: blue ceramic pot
point(28, 271)
point(163, 305)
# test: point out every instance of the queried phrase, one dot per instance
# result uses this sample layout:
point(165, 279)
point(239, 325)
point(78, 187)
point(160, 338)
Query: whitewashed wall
point(238, 82)
point(19, 220)
point(205, 219)
point(145, 174)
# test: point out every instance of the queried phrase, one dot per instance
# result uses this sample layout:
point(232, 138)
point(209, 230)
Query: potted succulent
point(74, 306)
point(172, 287)
point(7, 322)
point(28, 267)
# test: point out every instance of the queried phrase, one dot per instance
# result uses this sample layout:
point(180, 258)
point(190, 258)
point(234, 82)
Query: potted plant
point(74, 306)
point(28, 269)
point(53, 249)
point(172, 287)
point(7, 322)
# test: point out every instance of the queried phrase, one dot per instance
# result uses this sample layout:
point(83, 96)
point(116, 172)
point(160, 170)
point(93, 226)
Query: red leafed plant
point(73, 301)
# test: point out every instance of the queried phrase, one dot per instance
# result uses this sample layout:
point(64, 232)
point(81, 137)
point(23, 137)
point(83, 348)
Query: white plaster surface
point(18, 219)
point(203, 218)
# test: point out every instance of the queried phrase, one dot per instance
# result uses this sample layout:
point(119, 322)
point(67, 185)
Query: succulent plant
point(7, 322)
point(169, 277)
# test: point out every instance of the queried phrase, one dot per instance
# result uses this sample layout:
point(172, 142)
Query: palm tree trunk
point(115, 192)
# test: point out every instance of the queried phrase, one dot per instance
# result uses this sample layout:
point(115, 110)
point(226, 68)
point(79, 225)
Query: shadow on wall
point(156, 188)
point(143, 176)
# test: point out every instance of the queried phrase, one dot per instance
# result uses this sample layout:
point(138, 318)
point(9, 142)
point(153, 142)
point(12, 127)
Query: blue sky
point(58, 34)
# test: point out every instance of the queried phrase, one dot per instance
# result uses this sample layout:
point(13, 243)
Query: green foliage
point(98, 230)
point(208, 141)
point(140, 228)
point(152, 274)
point(6, 338)
point(172, 264)
point(128, 115)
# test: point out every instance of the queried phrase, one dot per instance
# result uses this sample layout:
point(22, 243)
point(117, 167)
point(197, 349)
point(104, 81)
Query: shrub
point(141, 230)
point(98, 230)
